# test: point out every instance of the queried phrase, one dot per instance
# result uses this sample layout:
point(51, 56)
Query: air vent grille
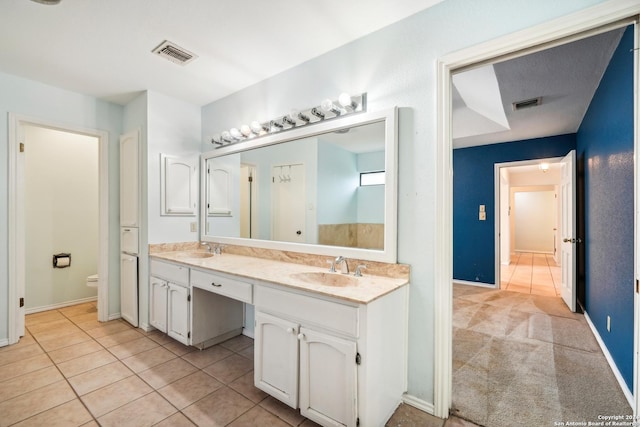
point(174, 53)
point(527, 103)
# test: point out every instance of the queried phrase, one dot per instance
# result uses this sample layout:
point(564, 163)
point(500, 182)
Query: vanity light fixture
point(327, 110)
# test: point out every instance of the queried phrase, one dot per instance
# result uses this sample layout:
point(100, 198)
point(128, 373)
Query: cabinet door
point(129, 288)
point(158, 304)
point(328, 373)
point(276, 358)
point(178, 313)
point(129, 179)
point(179, 185)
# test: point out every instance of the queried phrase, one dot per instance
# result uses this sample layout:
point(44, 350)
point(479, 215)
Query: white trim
point(636, 177)
point(418, 403)
point(478, 284)
point(114, 316)
point(59, 305)
point(554, 32)
point(4, 342)
point(612, 364)
point(146, 327)
point(16, 222)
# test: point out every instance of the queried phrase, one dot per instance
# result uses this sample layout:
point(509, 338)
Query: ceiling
point(103, 48)
point(566, 77)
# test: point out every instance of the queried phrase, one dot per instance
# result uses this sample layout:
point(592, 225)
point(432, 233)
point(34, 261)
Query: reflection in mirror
point(325, 190)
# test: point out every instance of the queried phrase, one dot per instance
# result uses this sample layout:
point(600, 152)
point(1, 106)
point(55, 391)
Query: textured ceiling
point(103, 47)
point(566, 77)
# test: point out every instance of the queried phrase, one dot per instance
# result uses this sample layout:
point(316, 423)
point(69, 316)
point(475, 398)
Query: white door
point(328, 378)
point(129, 288)
point(158, 304)
point(178, 313)
point(276, 358)
point(288, 210)
point(568, 230)
point(129, 179)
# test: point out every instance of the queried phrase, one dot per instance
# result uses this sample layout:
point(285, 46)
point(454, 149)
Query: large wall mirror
point(327, 189)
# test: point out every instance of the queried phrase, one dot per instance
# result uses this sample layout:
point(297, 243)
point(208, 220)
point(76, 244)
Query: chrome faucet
point(218, 249)
point(344, 269)
point(207, 245)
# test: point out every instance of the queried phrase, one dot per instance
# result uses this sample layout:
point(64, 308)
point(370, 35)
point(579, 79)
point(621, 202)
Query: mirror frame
point(389, 253)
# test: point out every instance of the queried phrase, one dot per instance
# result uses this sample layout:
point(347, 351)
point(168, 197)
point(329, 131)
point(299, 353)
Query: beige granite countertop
point(367, 288)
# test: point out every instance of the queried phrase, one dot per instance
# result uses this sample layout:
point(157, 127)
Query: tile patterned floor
point(531, 273)
point(71, 370)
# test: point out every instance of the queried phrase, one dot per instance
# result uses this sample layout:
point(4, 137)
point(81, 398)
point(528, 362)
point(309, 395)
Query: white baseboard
point(623, 385)
point(470, 283)
point(418, 403)
point(59, 305)
point(114, 316)
point(248, 332)
point(4, 342)
point(146, 327)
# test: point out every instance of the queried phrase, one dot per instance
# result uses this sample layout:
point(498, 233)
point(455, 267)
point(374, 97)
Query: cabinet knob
point(217, 285)
point(301, 337)
point(289, 330)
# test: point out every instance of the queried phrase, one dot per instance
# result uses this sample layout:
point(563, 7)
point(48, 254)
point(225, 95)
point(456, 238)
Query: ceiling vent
point(527, 103)
point(174, 53)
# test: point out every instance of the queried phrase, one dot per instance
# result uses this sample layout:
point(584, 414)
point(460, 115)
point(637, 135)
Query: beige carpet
point(521, 359)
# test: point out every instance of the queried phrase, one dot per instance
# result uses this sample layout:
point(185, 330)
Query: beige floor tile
point(18, 353)
point(407, 415)
point(29, 382)
point(91, 324)
point(178, 348)
point(26, 405)
point(113, 396)
point(108, 328)
point(72, 310)
point(119, 337)
point(218, 408)
point(245, 386)
point(51, 325)
point(64, 341)
point(309, 423)
point(230, 368)
point(51, 334)
point(148, 359)
point(42, 317)
point(238, 343)
point(146, 411)
point(190, 389)
point(99, 377)
point(23, 342)
point(82, 318)
point(74, 351)
point(24, 366)
point(128, 349)
point(72, 413)
point(85, 363)
point(247, 352)
point(207, 357)
point(166, 373)
point(91, 424)
point(287, 413)
point(175, 420)
point(160, 337)
point(258, 416)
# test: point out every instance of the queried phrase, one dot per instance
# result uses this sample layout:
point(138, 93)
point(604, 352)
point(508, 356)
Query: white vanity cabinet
point(348, 359)
point(178, 298)
point(170, 298)
point(158, 289)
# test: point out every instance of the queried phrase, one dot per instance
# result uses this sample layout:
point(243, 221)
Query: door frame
point(585, 23)
point(498, 212)
point(16, 220)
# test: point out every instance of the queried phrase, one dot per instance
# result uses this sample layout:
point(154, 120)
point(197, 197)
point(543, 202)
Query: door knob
point(300, 337)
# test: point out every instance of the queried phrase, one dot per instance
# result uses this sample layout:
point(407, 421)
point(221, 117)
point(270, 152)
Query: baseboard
point(146, 327)
point(623, 385)
point(248, 332)
point(418, 403)
point(114, 316)
point(59, 305)
point(4, 342)
point(470, 283)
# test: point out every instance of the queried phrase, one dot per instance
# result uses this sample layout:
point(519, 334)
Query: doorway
point(18, 128)
point(558, 32)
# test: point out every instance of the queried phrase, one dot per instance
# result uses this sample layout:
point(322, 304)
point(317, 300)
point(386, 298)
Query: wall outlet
point(193, 226)
point(482, 216)
point(608, 323)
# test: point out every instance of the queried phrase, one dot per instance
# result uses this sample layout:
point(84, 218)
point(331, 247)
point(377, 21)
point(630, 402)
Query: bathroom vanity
point(332, 345)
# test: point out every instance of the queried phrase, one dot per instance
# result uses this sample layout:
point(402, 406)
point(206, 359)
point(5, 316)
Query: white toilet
point(92, 281)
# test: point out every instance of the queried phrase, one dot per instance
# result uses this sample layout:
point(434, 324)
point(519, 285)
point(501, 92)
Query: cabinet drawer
point(170, 272)
point(129, 240)
point(222, 285)
point(327, 314)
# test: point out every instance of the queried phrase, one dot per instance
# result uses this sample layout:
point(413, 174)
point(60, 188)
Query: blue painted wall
point(473, 185)
point(605, 141)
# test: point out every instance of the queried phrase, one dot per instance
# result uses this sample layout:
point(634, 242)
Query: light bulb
point(245, 130)
point(226, 136)
point(345, 100)
point(327, 105)
point(256, 127)
point(235, 133)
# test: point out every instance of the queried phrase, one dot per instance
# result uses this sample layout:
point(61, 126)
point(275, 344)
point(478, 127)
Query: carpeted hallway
point(523, 359)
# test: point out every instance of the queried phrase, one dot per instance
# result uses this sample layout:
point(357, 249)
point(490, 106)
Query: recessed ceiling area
point(565, 77)
point(103, 48)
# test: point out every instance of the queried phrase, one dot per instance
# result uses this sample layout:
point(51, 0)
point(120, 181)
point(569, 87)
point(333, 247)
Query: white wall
point(61, 208)
point(396, 66)
point(535, 219)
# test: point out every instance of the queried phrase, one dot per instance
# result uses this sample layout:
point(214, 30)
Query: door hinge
point(358, 359)
point(637, 287)
point(250, 178)
point(189, 334)
point(22, 147)
point(358, 421)
point(189, 298)
point(21, 302)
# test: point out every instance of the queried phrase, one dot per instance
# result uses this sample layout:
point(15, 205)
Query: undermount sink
point(326, 279)
point(195, 255)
